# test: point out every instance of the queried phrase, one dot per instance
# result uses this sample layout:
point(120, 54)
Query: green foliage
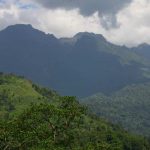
point(17, 93)
point(44, 91)
point(64, 126)
point(129, 107)
point(43, 125)
point(55, 123)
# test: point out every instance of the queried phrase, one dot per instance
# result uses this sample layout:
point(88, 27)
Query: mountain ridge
point(76, 34)
point(89, 65)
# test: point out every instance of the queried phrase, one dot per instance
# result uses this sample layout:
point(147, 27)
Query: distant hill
point(143, 49)
point(38, 119)
point(129, 107)
point(82, 65)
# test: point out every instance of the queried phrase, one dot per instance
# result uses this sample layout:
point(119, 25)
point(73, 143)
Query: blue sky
point(26, 6)
point(123, 22)
point(19, 3)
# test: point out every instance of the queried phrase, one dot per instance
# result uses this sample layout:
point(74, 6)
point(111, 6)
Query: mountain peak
point(89, 35)
point(19, 26)
point(82, 35)
point(28, 29)
point(143, 45)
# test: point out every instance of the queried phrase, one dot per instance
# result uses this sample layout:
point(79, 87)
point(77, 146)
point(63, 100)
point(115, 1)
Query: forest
point(37, 118)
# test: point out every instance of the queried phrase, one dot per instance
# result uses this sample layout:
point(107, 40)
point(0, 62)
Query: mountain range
point(83, 65)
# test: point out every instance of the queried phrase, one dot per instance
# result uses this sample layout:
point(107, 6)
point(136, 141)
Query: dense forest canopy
point(40, 119)
point(130, 104)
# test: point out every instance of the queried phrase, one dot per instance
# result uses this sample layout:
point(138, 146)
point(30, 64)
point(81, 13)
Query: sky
point(123, 22)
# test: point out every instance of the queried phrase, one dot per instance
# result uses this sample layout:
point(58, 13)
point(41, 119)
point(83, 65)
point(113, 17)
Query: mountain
point(44, 120)
point(82, 65)
point(143, 49)
point(129, 107)
point(28, 51)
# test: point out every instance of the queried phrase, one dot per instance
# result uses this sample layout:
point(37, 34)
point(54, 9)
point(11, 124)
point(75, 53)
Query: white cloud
point(60, 21)
point(134, 22)
point(64, 23)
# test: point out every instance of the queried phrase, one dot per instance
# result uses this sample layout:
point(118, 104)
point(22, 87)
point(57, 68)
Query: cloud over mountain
point(120, 21)
point(87, 7)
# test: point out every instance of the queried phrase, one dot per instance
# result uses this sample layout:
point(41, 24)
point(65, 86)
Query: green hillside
point(17, 93)
point(39, 119)
point(129, 107)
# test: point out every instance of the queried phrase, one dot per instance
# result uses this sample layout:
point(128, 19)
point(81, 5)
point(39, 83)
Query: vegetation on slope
point(42, 120)
point(17, 93)
point(64, 126)
point(129, 107)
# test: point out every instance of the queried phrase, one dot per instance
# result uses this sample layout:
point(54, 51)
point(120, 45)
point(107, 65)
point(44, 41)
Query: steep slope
point(17, 93)
point(96, 65)
point(143, 49)
point(129, 107)
point(61, 123)
point(80, 66)
point(29, 52)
